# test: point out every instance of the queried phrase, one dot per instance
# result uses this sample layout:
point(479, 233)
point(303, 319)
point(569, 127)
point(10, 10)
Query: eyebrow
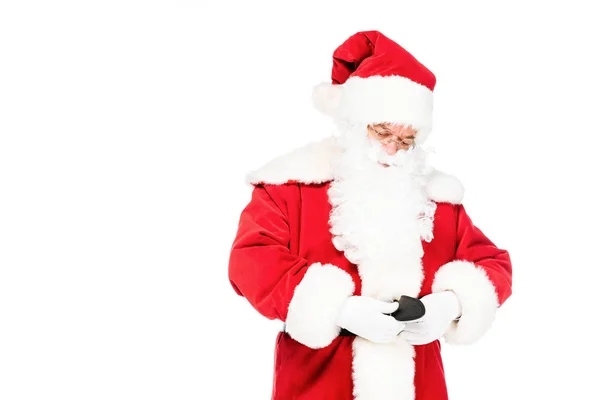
point(388, 131)
point(384, 128)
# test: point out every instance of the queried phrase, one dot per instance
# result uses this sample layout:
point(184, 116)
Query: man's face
point(392, 137)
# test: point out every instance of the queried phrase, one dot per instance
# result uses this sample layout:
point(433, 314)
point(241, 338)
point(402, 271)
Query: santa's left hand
point(440, 310)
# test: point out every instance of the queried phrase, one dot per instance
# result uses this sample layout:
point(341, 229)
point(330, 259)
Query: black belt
point(409, 309)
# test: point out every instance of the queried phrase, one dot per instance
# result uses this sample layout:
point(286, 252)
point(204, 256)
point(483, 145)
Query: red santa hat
point(375, 80)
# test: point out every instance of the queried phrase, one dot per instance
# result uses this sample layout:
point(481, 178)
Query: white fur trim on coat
point(477, 296)
point(316, 304)
point(308, 164)
point(311, 164)
point(383, 371)
point(445, 188)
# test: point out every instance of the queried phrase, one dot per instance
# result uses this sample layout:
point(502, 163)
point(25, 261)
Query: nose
point(391, 148)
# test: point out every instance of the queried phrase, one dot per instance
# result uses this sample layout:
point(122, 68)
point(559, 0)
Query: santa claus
point(338, 231)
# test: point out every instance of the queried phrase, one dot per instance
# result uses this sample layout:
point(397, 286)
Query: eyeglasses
point(387, 138)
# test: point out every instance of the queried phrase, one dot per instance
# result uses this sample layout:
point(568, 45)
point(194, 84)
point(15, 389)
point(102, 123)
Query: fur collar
point(311, 165)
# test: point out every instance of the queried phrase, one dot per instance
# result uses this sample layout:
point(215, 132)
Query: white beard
point(379, 217)
point(381, 214)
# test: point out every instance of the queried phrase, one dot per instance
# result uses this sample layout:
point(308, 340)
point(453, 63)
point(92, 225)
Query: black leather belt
point(409, 309)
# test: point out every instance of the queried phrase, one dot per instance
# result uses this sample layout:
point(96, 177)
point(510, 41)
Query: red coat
point(284, 263)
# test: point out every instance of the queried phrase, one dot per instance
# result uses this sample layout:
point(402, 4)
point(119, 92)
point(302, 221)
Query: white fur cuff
point(316, 303)
point(477, 296)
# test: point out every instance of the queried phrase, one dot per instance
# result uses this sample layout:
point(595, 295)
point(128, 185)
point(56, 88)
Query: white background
point(126, 132)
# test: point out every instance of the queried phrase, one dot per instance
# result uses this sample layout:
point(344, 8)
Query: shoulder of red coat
point(444, 188)
point(309, 164)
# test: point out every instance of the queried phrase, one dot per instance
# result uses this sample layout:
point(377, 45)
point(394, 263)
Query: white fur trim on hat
point(377, 99)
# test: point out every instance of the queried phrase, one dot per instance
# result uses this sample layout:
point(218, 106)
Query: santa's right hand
point(365, 317)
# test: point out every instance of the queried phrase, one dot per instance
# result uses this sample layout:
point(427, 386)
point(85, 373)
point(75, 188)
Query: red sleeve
point(481, 277)
point(279, 284)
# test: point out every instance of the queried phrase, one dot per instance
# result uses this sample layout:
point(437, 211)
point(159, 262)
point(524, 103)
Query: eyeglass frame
point(392, 138)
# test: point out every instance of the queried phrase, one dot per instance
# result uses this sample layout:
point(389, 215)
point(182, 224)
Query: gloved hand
point(440, 310)
point(364, 316)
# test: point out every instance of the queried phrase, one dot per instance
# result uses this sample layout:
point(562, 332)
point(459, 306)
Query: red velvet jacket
point(284, 263)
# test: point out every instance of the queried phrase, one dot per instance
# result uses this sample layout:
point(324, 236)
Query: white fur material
point(384, 239)
point(477, 296)
point(311, 164)
point(327, 97)
point(316, 304)
point(308, 164)
point(383, 371)
point(376, 99)
point(445, 188)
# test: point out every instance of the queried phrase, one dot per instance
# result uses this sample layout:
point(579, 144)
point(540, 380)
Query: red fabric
point(283, 230)
point(474, 246)
point(371, 53)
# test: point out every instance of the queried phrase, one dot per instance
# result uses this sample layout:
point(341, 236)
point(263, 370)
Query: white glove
point(364, 316)
point(440, 310)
